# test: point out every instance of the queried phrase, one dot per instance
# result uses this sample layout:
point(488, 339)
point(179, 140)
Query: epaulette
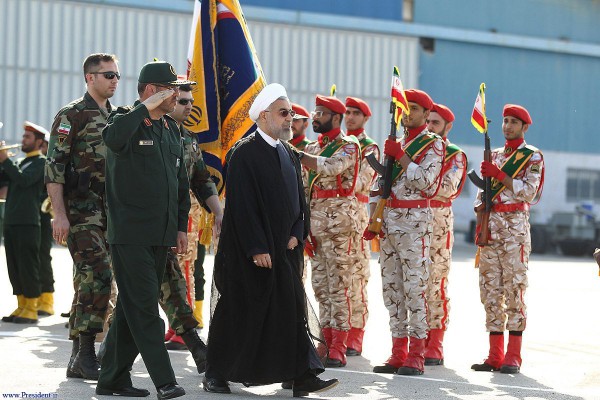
point(533, 148)
point(78, 104)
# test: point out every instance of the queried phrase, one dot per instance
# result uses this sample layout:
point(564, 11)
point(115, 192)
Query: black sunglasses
point(185, 102)
point(108, 75)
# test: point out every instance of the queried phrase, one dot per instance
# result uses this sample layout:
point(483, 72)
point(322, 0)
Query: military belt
point(395, 203)
point(362, 198)
point(328, 194)
point(501, 207)
point(440, 204)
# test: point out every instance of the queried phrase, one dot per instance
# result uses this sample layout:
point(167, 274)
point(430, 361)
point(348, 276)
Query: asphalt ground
point(561, 346)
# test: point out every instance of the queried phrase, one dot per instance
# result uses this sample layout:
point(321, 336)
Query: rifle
point(385, 171)
point(483, 211)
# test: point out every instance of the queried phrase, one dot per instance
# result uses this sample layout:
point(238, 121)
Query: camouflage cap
point(161, 72)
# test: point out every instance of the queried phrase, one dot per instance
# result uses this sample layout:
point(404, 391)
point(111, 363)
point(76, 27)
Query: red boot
point(176, 343)
point(414, 364)
point(399, 354)
point(323, 348)
point(512, 361)
point(355, 341)
point(337, 352)
point(496, 355)
point(170, 333)
point(434, 351)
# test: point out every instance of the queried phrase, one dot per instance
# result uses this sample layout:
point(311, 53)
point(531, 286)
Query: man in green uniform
point(147, 209)
point(22, 223)
point(46, 303)
point(177, 289)
point(75, 179)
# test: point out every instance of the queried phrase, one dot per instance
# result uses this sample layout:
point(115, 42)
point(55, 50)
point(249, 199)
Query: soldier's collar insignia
point(147, 122)
point(508, 150)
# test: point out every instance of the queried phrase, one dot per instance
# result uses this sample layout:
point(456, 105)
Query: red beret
point(419, 97)
point(517, 111)
point(444, 112)
point(332, 103)
point(360, 104)
point(301, 112)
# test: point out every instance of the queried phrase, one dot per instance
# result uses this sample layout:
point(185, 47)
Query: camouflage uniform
point(503, 263)
point(177, 288)
point(362, 252)
point(76, 144)
point(405, 248)
point(438, 302)
point(335, 232)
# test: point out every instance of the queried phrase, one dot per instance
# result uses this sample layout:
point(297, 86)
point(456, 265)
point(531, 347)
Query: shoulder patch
point(535, 168)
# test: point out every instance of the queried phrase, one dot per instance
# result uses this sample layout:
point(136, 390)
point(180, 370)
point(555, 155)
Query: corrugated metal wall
point(44, 43)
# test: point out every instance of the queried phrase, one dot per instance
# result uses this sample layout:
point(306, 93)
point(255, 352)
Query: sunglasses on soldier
point(185, 102)
point(108, 75)
point(284, 113)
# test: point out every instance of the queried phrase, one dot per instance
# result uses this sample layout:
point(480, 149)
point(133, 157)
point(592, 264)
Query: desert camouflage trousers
point(358, 293)
point(332, 269)
point(92, 279)
point(405, 265)
point(438, 302)
point(503, 272)
point(177, 288)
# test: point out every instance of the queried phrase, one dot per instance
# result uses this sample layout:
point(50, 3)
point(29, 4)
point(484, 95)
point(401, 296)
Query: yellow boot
point(198, 313)
point(46, 304)
point(29, 314)
point(20, 303)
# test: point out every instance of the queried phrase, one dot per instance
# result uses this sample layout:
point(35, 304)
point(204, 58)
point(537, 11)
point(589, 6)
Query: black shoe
point(175, 346)
point(334, 363)
point(252, 384)
point(197, 348)
point(510, 369)
point(169, 391)
point(74, 351)
point(126, 391)
point(313, 385)
point(65, 315)
point(10, 318)
point(409, 371)
point(434, 361)
point(484, 367)
point(43, 313)
point(351, 352)
point(22, 320)
point(385, 369)
point(287, 385)
point(214, 385)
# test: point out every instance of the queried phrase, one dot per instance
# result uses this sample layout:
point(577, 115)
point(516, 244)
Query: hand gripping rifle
point(483, 210)
point(385, 171)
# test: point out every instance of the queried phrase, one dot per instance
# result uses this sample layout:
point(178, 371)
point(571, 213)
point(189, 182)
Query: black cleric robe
point(259, 331)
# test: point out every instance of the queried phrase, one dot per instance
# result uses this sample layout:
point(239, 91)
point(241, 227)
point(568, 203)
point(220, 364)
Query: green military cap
point(161, 72)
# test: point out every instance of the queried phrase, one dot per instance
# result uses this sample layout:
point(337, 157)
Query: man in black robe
point(259, 328)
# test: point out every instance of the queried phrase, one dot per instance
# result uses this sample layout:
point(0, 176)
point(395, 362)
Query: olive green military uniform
point(177, 290)
point(22, 223)
point(147, 204)
point(76, 159)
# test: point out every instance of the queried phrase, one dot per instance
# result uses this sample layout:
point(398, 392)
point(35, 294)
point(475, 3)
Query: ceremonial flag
point(398, 96)
point(222, 59)
point(478, 118)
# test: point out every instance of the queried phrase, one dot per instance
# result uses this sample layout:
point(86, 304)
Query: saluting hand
point(262, 260)
point(157, 98)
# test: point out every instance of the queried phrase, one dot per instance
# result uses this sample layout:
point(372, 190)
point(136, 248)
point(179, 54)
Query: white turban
point(265, 98)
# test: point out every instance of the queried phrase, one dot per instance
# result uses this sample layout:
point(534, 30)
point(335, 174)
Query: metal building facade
point(45, 42)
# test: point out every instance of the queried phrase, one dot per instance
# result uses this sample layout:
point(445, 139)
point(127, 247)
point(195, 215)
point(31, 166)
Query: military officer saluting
point(358, 113)
point(452, 181)
point(517, 172)
point(147, 209)
point(334, 161)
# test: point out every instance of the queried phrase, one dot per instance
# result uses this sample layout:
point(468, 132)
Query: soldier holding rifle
point(516, 172)
point(407, 224)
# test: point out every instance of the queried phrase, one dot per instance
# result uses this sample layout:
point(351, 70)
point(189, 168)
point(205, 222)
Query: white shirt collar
point(268, 139)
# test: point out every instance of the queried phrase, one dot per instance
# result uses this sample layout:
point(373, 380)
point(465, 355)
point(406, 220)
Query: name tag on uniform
point(146, 142)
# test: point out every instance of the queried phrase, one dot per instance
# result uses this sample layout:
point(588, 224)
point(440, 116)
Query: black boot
point(197, 348)
point(85, 362)
point(74, 351)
